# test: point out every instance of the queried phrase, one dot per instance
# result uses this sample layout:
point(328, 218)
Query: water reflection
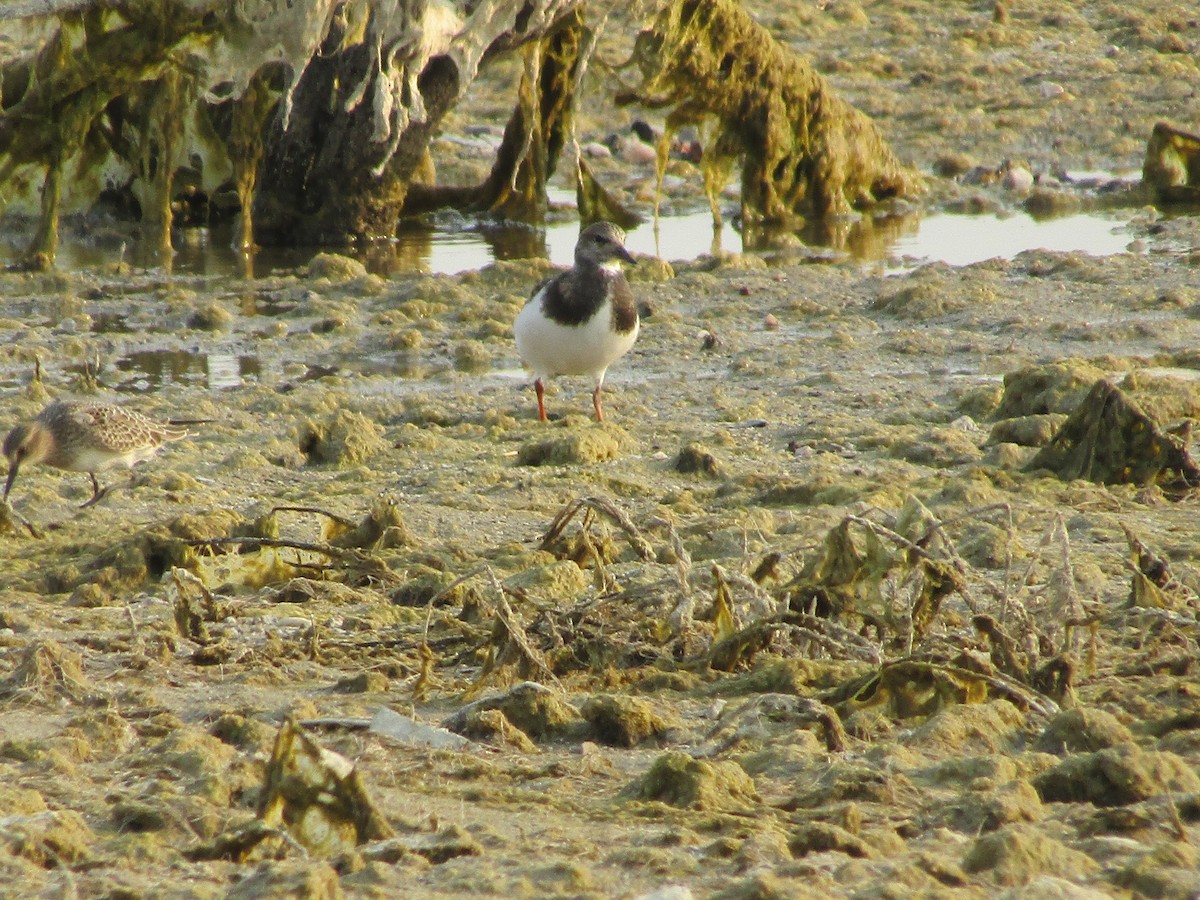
point(456, 245)
point(150, 370)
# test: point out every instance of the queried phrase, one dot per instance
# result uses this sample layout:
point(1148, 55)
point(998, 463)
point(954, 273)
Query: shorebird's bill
point(12, 476)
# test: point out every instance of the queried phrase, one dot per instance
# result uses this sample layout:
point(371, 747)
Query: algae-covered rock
point(1057, 387)
point(1017, 854)
point(1027, 431)
point(984, 727)
point(809, 153)
point(678, 779)
point(348, 439)
point(561, 580)
point(301, 879)
point(1162, 395)
point(1082, 730)
point(695, 459)
point(1117, 776)
point(578, 447)
point(533, 708)
point(493, 727)
point(1171, 869)
point(49, 839)
point(335, 267)
point(817, 837)
point(624, 721)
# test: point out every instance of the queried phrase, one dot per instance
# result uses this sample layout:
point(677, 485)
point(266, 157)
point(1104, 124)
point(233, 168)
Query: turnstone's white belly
point(589, 348)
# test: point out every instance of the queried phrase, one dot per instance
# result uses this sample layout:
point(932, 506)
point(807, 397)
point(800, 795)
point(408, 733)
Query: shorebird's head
point(602, 244)
point(27, 443)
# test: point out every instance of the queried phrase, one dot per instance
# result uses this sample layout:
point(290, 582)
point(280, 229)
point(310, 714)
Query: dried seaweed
point(194, 605)
point(1172, 164)
point(47, 672)
point(912, 687)
point(1109, 440)
point(509, 644)
point(608, 508)
point(318, 796)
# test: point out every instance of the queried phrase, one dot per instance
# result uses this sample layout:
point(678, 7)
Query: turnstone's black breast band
point(624, 309)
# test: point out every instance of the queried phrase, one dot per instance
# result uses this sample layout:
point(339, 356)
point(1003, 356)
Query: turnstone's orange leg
point(541, 395)
point(596, 404)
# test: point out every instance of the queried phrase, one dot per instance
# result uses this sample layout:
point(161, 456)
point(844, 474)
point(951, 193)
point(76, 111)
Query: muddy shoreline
point(889, 749)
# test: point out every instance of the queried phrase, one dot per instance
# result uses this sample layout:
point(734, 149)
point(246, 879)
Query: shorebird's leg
point(540, 387)
point(97, 494)
point(596, 396)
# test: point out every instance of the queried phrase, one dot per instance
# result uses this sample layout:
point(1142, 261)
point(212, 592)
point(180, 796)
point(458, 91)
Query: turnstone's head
point(600, 244)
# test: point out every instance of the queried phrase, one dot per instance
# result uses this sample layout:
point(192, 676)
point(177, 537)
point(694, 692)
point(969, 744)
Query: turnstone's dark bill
point(583, 320)
point(85, 437)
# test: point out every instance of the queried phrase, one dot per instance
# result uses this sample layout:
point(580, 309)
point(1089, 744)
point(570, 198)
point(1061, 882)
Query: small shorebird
point(85, 437)
point(582, 320)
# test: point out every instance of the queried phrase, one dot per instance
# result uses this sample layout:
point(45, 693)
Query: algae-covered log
point(337, 99)
point(533, 138)
point(803, 150)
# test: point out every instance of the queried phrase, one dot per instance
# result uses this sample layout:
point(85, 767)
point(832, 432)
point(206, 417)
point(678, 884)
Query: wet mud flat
point(799, 620)
point(824, 609)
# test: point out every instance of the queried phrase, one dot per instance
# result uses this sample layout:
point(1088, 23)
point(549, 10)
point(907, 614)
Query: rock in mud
point(531, 707)
point(335, 267)
point(593, 445)
point(1018, 854)
point(696, 459)
point(1057, 387)
point(1027, 431)
point(348, 439)
point(492, 726)
point(817, 837)
point(299, 879)
point(680, 780)
point(1117, 776)
point(624, 721)
point(49, 839)
point(1082, 730)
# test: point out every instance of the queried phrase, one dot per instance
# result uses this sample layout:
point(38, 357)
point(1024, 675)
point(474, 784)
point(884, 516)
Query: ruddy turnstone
point(85, 437)
point(582, 320)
